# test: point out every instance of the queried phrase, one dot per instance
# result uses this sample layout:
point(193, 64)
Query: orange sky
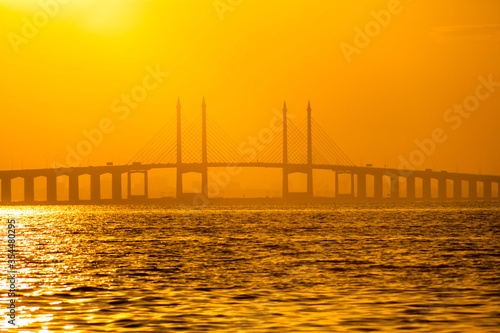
point(65, 76)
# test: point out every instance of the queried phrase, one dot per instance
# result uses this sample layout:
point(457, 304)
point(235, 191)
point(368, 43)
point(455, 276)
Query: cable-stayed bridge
point(294, 148)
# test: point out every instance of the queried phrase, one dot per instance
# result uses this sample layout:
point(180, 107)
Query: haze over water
point(318, 268)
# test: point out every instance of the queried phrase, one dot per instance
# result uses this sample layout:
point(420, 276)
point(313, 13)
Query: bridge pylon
point(290, 168)
point(309, 152)
point(182, 167)
point(178, 185)
point(285, 152)
point(204, 155)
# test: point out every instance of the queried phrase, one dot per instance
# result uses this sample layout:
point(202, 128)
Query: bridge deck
point(199, 166)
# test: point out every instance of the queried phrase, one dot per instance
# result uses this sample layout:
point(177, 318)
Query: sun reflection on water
point(143, 269)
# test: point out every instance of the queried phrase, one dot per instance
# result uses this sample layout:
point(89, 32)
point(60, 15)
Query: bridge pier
point(95, 187)
point(336, 184)
point(378, 186)
point(204, 152)
point(426, 188)
point(352, 185)
point(457, 189)
point(442, 188)
point(204, 182)
point(29, 189)
point(6, 190)
point(181, 168)
point(361, 185)
point(410, 188)
point(178, 185)
point(116, 183)
point(308, 170)
point(472, 189)
point(129, 185)
point(310, 192)
point(487, 190)
point(395, 187)
point(51, 188)
point(286, 171)
point(73, 188)
point(285, 189)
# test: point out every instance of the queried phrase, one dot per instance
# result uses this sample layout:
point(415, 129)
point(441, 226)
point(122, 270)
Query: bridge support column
point(487, 190)
point(129, 185)
point(51, 188)
point(457, 189)
point(410, 188)
point(336, 184)
point(361, 186)
point(285, 152)
point(352, 184)
point(310, 192)
point(442, 189)
point(472, 190)
point(6, 191)
point(426, 188)
point(285, 183)
point(204, 153)
point(29, 189)
point(204, 182)
point(146, 184)
point(178, 184)
point(378, 186)
point(116, 183)
point(95, 187)
point(394, 187)
point(73, 188)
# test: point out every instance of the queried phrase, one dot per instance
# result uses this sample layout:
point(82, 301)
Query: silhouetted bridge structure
point(292, 151)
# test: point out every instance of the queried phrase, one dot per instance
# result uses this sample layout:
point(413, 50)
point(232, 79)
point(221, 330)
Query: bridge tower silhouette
point(288, 168)
point(309, 152)
point(183, 168)
point(286, 172)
